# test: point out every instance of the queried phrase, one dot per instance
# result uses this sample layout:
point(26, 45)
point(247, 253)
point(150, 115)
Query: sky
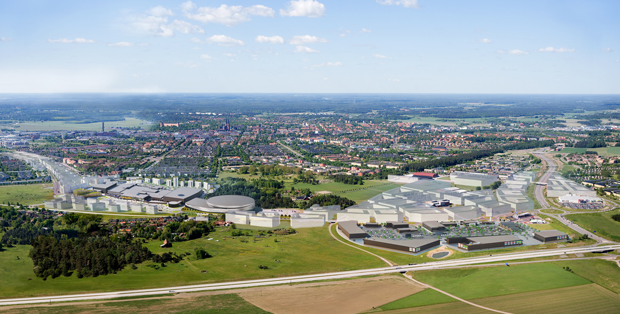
point(310, 46)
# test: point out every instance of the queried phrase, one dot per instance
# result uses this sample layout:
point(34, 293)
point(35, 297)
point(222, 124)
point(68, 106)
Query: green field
point(484, 282)
point(607, 151)
point(311, 250)
point(578, 299)
point(473, 283)
point(26, 194)
point(599, 222)
point(572, 150)
point(222, 303)
point(69, 126)
point(551, 211)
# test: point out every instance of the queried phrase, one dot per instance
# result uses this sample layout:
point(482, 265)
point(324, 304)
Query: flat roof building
point(488, 242)
point(412, 246)
point(223, 204)
point(351, 229)
point(433, 226)
point(550, 236)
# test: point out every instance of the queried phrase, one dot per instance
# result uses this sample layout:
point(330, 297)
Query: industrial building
point(412, 246)
point(351, 229)
point(222, 203)
point(473, 178)
point(550, 236)
point(488, 242)
point(426, 200)
point(559, 186)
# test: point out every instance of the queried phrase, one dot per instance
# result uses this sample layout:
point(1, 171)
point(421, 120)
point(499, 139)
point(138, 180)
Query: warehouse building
point(433, 226)
point(411, 246)
point(351, 229)
point(482, 243)
point(550, 236)
point(472, 178)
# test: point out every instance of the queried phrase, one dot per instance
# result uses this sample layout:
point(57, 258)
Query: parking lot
point(586, 206)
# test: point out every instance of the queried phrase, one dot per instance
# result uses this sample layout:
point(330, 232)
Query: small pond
point(440, 254)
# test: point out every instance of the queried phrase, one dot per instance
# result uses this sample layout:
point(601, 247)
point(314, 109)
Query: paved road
point(308, 278)
point(290, 149)
point(543, 201)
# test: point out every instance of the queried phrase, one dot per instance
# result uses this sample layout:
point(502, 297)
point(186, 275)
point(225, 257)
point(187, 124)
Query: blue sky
point(310, 46)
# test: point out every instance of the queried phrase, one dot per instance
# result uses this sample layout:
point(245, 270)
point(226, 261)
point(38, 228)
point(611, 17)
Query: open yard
point(186, 303)
point(309, 251)
point(599, 222)
point(26, 194)
point(72, 126)
point(342, 297)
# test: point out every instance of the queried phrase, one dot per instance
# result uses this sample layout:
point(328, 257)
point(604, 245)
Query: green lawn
point(422, 298)
point(551, 211)
point(572, 150)
point(311, 250)
point(602, 272)
point(542, 226)
point(599, 222)
point(222, 303)
point(72, 126)
point(26, 194)
point(472, 283)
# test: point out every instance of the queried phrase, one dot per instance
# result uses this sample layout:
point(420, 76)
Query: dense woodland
point(347, 179)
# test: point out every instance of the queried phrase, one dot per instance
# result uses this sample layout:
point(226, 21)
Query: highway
point(543, 201)
point(308, 278)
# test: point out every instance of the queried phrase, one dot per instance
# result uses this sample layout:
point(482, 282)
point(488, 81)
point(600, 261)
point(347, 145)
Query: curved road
point(552, 166)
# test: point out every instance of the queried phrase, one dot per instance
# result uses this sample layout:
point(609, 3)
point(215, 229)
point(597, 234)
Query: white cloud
point(224, 40)
point(185, 27)
point(229, 54)
point(344, 33)
point(485, 41)
point(196, 40)
point(394, 80)
point(72, 41)
point(327, 64)
point(325, 79)
point(404, 3)
point(188, 6)
point(551, 49)
point(230, 15)
point(514, 52)
point(306, 39)
point(271, 40)
point(159, 11)
point(155, 25)
point(309, 8)
point(305, 49)
point(604, 49)
point(5, 39)
point(364, 30)
point(378, 56)
point(206, 57)
point(121, 44)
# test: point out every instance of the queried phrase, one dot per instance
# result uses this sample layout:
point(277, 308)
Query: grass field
point(578, 299)
point(221, 303)
point(426, 297)
point(551, 211)
point(532, 195)
point(572, 150)
point(607, 151)
point(68, 126)
point(473, 283)
point(602, 272)
point(26, 194)
point(599, 222)
point(566, 169)
point(541, 226)
point(311, 250)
